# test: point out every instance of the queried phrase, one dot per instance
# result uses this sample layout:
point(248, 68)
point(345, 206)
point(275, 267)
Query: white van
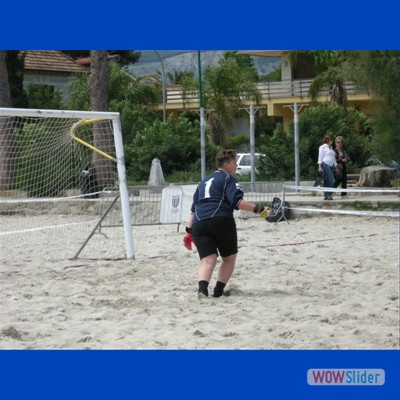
point(244, 162)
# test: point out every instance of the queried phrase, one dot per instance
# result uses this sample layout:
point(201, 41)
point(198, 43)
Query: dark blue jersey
point(217, 195)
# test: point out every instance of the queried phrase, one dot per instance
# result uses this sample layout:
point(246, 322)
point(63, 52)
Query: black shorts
point(215, 236)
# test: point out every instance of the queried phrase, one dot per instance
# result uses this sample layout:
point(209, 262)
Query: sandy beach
point(326, 282)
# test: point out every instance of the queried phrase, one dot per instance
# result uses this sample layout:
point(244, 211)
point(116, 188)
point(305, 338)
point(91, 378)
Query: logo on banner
point(175, 200)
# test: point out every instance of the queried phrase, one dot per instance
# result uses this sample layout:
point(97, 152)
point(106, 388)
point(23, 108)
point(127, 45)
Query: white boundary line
point(328, 189)
point(46, 227)
point(395, 214)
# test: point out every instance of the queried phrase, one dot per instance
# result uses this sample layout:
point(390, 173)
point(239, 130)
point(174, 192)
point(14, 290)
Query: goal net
point(59, 171)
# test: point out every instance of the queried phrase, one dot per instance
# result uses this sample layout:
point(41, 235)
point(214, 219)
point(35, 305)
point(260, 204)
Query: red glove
point(188, 240)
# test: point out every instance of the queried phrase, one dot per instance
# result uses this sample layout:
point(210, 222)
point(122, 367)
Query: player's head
point(225, 156)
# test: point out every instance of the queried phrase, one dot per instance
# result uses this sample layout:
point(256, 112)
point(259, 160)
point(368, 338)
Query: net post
point(123, 189)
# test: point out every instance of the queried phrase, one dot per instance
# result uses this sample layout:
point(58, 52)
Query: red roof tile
point(51, 60)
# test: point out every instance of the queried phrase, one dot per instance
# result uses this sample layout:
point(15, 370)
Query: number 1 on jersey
point(207, 188)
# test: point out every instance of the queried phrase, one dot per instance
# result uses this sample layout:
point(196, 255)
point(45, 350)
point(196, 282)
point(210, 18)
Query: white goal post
point(60, 164)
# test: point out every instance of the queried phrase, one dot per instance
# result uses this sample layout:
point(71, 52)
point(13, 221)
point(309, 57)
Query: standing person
point(342, 159)
point(327, 163)
point(211, 225)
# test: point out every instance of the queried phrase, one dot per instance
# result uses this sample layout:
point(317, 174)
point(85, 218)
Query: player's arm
point(234, 191)
point(260, 209)
point(263, 211)
point(190, 221)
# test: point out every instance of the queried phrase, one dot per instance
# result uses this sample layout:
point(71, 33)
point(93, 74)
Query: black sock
point(219, 289)
point(203, 287)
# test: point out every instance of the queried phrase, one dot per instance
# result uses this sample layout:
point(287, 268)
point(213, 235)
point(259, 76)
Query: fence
point(157, 205)
point(154, 205)
point(268, 90)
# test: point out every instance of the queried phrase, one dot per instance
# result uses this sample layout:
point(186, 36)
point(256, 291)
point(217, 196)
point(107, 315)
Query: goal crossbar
point(27, 112)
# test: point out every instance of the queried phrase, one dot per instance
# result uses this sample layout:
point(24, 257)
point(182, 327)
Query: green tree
point(314, 122)
point(180, 77)
point(121, 86)
point(127, 95)
point(374, 70)
point(38, 163)
point(226, 87)
point(134, 118)
point(176, 144)
point(378, 71)
point(78, 93)
point(43, 97)
point(329, 74)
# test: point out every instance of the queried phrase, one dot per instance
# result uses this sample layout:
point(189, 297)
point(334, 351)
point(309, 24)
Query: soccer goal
point(59, 171)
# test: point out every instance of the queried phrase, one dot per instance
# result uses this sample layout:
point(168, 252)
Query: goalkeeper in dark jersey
point(211, 224)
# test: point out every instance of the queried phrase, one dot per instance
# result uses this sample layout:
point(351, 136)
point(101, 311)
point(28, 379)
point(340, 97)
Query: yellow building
point(277, 96)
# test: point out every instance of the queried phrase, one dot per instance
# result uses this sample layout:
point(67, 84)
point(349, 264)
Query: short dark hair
point(224, 156)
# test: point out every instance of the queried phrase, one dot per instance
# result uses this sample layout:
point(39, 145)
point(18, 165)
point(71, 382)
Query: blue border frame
point(190, 374)
point(205, 25)
point(269, 374)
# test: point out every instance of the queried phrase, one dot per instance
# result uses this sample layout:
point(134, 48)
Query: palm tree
point(121, 86)
point(330, 75)
point(187, 81)
point(226, 87)
point(179, 77)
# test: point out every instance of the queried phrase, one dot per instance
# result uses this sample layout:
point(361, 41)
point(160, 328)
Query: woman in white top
point(327, 163)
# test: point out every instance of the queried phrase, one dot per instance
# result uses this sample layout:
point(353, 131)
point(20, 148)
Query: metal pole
point(296, 145)
point(123, 190)
point(202, 143)
point(202, 123)
point(252, 146)
point(163, 87)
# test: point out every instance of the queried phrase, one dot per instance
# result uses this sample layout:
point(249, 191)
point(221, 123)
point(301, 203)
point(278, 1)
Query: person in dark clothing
point(88, 182)
point(342, 159)
point(211, 225)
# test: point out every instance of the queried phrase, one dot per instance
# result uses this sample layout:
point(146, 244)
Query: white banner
point(176, 202)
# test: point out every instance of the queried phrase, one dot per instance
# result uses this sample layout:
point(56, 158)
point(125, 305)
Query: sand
point(326, 282)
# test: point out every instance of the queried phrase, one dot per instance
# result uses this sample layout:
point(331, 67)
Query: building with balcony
point(277, 96)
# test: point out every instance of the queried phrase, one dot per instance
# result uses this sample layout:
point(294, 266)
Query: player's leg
point(228, 249)
point(226, 268)
point(225, 272)
point(208, 253)
point(206, 268)
point(329, 180)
